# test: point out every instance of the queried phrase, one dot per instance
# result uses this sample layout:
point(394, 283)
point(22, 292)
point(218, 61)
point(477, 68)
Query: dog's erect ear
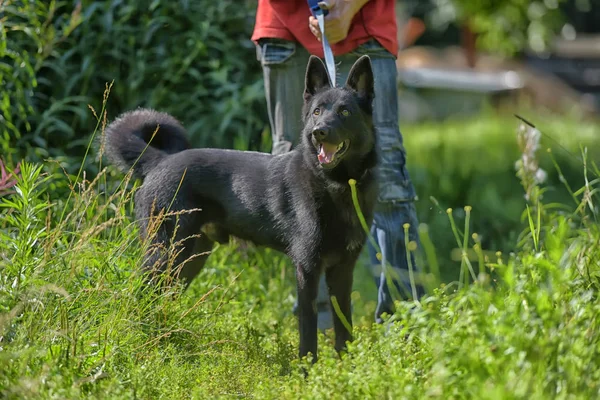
point(361, 79)
point(316, 77)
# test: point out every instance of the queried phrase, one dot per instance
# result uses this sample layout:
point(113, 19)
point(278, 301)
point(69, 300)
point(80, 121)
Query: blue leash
point(320, 14)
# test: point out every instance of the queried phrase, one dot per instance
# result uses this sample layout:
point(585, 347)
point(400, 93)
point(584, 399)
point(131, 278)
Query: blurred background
point(457, 54)
point(464, 70)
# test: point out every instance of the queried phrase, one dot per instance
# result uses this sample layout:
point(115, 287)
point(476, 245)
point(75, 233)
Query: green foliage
point(513, 25)
point(27, 41)
point(193, 59)
point(502, 26)
point(533, 335)
point(77, 320)
point(472, 162)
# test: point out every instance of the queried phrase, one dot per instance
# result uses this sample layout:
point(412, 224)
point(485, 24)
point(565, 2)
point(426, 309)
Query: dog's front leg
point(307, 282)
point(339, 283)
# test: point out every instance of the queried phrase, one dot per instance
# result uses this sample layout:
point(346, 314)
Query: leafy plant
point(193, 59)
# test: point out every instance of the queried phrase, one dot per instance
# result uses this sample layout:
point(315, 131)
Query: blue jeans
point(284, 65)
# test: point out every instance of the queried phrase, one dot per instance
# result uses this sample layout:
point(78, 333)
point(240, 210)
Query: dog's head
point(338, 121)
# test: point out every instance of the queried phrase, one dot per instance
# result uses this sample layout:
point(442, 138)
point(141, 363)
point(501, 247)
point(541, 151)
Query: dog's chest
point(341, 226)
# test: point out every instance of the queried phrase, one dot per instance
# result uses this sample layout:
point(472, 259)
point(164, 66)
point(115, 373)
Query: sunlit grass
point(78, 320)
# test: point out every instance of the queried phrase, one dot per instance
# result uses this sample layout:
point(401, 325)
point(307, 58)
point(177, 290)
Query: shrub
point(193, 59)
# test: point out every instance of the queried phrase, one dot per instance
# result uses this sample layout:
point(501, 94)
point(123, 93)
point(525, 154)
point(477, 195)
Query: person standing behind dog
point(286, 35)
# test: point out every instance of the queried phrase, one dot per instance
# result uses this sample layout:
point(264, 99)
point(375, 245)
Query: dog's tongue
point(327, 153)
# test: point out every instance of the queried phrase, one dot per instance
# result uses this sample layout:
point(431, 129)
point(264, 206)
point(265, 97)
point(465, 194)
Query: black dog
point(298, 203)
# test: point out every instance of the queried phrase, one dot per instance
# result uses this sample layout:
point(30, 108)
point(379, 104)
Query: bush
point(193, 59)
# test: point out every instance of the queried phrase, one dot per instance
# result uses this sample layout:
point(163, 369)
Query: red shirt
point(288, 19)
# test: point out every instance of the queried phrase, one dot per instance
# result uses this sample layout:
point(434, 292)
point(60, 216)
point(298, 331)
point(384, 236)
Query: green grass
point(77, 321)
point(472, 162)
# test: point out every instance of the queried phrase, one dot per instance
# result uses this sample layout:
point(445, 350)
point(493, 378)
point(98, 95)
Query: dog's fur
point(298, 203)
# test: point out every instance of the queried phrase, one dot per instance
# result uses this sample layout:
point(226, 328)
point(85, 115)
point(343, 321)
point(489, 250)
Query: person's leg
point(284, 68)
point(284, 65)
point(396, 192)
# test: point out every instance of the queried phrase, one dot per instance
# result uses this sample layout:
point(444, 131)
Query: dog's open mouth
point(329, 154)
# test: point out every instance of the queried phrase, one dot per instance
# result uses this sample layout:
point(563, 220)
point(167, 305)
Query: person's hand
point(337, 22)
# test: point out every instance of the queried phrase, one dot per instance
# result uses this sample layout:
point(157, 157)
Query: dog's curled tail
point(139, 139)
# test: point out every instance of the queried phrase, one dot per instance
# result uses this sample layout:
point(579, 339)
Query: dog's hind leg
point(193, 264)
point(339, 283)
point(190, 247)
point(177, 247)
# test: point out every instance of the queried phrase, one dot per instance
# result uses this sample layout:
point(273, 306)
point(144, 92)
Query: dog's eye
point(317, 111)
point(344, 112)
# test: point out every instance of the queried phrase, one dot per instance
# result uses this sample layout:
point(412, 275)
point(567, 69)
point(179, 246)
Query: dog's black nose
point(320, 134)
